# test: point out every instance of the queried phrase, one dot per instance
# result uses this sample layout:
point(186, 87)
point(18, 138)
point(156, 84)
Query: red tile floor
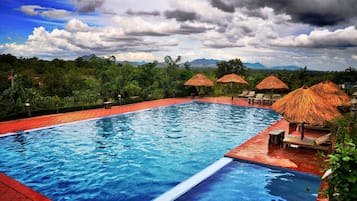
point(256, 149)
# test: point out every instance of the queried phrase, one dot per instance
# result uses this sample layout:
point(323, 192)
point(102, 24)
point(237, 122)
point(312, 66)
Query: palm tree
point(171, 84)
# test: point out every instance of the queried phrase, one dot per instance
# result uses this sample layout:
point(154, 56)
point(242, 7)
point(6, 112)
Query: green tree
point(171, 82)
point(232, 66)
point(148, 77)
point(343, 180)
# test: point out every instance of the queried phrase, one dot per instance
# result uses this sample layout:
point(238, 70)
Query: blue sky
point(16, 26)
point(319, 34)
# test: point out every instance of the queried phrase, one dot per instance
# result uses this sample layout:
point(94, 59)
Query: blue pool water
point(247, 181)
point(135, 156)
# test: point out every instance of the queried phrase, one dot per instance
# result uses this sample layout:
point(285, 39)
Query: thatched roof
point(304, 105)
point(199, 80)
point(230, 78)
point(332, 93)
point(271, 82)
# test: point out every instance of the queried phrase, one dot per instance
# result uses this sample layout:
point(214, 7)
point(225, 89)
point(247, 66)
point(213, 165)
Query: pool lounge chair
point(267, 99)
point(320, 143)
point(243, 94)
point(275, 97)
point(258, 99)
point(251, 94)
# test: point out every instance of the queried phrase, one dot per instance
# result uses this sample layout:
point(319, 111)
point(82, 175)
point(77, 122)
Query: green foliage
point(47, 85)
point(343, 180)
point(232, 66)
point(345, 129)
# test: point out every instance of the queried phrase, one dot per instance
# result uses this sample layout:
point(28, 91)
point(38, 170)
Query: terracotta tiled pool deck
point(256, 149)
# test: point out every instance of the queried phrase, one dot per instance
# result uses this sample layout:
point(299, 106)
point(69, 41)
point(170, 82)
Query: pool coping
point(193, 181)
point(18, 190)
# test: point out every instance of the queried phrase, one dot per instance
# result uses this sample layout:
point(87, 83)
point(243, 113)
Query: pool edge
point(193, 181)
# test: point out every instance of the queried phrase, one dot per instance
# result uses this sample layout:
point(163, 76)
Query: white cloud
point(77, 40)
point(77, 25)
point(139, 26)
point(136, 56)
point(55, 13)
point(45, 11)
point(354, 57)
point(30, 9)
point(340, 38)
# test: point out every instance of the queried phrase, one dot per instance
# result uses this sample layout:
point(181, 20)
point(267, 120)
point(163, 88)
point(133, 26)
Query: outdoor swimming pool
point(135, 156)
point(248, 181)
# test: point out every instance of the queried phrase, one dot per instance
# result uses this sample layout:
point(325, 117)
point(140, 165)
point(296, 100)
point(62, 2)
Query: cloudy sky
point(319, 34)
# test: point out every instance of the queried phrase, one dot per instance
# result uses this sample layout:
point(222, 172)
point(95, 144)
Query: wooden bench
point(320, 143)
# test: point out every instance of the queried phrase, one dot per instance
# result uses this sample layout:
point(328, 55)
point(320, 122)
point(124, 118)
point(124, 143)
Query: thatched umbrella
point(305, 106)
point(332, 93)
point(271, 82)
point(232, 78)
point(199, 80)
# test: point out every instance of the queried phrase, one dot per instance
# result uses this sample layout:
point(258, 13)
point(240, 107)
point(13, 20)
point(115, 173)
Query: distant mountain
point(255, 65)
point(204, 63)
point(89, 57)
point(289, 67)
point(134, 63)
point(212, 63)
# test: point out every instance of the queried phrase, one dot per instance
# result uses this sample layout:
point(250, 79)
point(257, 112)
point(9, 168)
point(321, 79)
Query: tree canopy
point(82, 82)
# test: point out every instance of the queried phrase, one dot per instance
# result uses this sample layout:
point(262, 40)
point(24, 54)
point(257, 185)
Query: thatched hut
point(271, 82)
point(232, 78)
point(199, 80)
point(332, 93)
point(305, 106)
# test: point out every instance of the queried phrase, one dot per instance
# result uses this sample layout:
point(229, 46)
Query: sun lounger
point(275, 97)
point(267, 100)
point(243, 94)
point(320, 143)
point(251, 94)
point(258, 99)
point(250, 97)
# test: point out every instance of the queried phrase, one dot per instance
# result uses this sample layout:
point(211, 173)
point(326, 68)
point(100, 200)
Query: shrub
point(343, 180)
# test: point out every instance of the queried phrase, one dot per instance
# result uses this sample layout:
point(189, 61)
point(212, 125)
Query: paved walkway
point(15, 191)
point(256, 149)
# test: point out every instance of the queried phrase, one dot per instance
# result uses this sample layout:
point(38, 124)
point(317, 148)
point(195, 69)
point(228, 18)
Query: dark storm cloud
point(87, 6)
point(256, 13)
point(319, 19)
point(223, 6)
point(153, 13)
point(313, 12)
point(247, 30)
point(148, 33)
point(121, 38)
point(187, 29)
point(180, 15)
point(221, 45)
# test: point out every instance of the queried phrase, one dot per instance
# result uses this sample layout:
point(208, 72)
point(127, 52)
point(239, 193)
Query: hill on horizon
point(211, 63)
point(205, 63)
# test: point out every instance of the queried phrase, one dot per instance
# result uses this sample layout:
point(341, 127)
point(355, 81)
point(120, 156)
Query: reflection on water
point(21, 140)
point(105, 128)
